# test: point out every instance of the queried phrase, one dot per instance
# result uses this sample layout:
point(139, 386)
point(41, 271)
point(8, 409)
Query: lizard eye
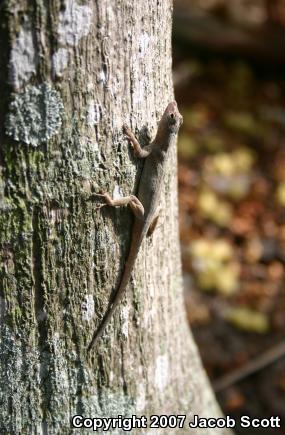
point(171, 115)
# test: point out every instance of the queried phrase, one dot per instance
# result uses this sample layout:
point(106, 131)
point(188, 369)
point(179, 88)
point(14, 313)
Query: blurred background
point(229, 74)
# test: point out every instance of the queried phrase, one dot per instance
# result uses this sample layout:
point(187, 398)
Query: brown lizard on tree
point(145, 205)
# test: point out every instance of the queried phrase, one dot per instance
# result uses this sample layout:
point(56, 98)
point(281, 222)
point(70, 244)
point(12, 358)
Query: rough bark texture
point(76, 71)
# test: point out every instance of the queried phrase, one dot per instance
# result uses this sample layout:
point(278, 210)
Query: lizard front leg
point(153, 224)
point(130, 200)
point(139, 151)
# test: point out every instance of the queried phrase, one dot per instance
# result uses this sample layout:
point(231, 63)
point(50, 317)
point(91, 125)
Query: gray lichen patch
point(87, 308)
point(35, 115)
point(74, 23)
point(94, 113)
point(19, 384)
point(60, 61)
point(111, 404)
point(23, 59)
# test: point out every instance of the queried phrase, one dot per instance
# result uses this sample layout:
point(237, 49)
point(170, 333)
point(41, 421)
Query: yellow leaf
point(248, 320)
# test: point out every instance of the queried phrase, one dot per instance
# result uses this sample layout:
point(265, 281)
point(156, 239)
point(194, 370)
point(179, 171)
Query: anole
point(145, 205)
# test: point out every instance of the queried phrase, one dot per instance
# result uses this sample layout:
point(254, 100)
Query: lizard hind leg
point(131, 200)
point(153, 225)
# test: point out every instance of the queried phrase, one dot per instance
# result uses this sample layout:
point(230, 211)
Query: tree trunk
point(76, 71)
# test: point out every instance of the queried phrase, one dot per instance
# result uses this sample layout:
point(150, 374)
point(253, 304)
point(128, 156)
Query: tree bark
point(76, 71)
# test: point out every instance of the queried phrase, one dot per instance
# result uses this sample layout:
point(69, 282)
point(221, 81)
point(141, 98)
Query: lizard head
point(171, 118)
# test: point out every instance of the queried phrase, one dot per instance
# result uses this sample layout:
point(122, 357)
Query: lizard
point(145, 204)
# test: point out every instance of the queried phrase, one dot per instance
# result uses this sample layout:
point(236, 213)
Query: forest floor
point(232, 226)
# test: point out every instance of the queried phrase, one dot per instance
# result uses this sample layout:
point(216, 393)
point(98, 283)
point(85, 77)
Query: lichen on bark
point(35, 115)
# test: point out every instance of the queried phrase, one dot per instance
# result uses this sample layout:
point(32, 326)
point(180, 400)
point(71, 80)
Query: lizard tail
point(137, 237)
